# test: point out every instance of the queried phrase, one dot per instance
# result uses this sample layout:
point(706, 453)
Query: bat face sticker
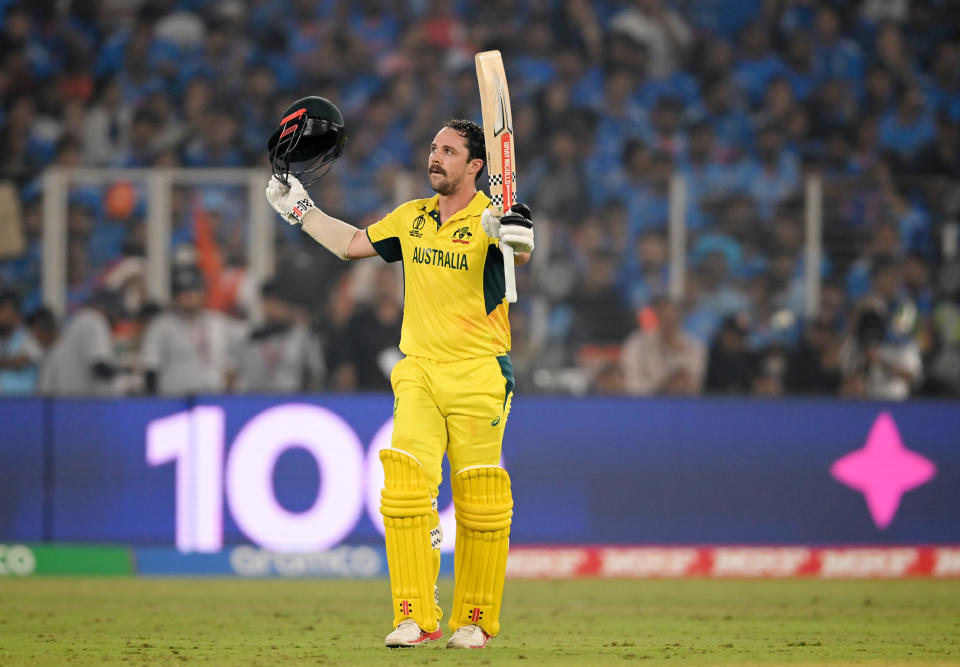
point(502, 122)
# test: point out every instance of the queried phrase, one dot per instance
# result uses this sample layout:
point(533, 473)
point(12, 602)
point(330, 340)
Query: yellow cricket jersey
point(454, 305)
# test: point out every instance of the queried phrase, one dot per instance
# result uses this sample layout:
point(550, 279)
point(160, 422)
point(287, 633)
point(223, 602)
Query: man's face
point(190, 301)
point(9, 318)
point(652, 250)
point(885, 282)
point(275, 311)
point(668, 317)
point(448, 166)
point(701, 144)
point(768, 144)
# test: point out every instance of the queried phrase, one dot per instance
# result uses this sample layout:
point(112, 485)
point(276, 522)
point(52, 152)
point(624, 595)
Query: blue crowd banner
point(301, 474)
point(23, 451)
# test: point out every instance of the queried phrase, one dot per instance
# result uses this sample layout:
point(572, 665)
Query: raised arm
point(296, 207)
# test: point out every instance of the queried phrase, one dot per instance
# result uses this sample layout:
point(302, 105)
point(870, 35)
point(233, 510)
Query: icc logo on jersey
point(417, 225)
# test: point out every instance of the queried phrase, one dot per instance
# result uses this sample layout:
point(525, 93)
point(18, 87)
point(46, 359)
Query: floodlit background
point(784, 172)
point(741, 325)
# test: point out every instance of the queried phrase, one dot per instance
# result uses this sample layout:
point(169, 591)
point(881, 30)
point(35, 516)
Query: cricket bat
point(501, 157)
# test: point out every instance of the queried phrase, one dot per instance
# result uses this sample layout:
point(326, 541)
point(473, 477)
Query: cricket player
point(453, 388)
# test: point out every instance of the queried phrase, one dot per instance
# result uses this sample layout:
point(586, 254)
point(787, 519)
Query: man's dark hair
point(42, 317)
point(271, 290)
point(882, 264)
point(148, 311)
point(473, 133)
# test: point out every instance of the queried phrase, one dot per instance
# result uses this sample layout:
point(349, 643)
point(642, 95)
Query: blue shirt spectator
point(731, 125)
point(910, 127)
point(678, 85)
point(19, 353)
point(801, 71)
point(757, 63)
point(775, 173)
point(835, 56)
point(722, 17)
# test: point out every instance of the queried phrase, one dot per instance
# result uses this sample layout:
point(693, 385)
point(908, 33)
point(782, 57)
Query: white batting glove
point(490, 222)
point(514, 228)
point(292, 203)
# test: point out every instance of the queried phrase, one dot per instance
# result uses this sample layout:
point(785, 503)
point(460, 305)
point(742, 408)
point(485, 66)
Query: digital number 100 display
point(207, 473)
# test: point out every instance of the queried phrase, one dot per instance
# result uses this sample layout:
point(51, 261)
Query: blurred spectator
point(128, 341)
point(744, 99)
point(607, 379)
point(106, 131)
point(834, 108)
point(731, 123)
point(715, 296)
point(882, 247)
point(188, 349)
point(779, 99)
point(644, 189)
point(370, 345)
point(660, 28)
point(667, 136)
point(916, 285)
point(890, 51)
point(836, 56)
point(83, 361)
point(42, 324)
point(20, 353)
point(942, 157)
point(559, 181)
point(602, 318)
point(664, 360)
point(944, 355)
point(731, 367)
point(647, 270)
point(880, 357)
point(708, 179)
point(813, 367)
point(757, 63)
point(878, 94)
point(837, 157)
point(280, 355)
point(771, 371)
point(885, 288)
point(879, 363)
point(775, 174)
point(910, 128)
point(801, 68)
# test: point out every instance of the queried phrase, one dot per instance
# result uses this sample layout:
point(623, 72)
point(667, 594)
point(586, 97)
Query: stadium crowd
point(611, 98)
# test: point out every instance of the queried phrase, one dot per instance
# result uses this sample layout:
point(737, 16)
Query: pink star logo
point(883, 470)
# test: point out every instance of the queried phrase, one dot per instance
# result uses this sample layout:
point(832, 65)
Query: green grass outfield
point(230, 621)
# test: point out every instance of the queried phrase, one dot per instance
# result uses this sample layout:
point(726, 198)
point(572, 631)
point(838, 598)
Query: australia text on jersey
point(451, 260)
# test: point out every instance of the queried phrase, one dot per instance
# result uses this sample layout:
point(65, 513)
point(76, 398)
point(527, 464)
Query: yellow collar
point(476, 205)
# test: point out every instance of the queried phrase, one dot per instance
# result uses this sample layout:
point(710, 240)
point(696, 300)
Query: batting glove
point(291, 202)
point(514, 228)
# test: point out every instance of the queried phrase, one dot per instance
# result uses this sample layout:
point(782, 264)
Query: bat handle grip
point(509, 277)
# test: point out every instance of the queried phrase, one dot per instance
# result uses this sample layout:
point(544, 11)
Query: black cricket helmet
point(309, 140)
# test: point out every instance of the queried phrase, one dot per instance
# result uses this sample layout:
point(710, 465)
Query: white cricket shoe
point(468, 636)
point(408, 633)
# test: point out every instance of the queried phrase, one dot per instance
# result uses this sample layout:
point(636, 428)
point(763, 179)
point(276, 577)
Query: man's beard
point(446, 186)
